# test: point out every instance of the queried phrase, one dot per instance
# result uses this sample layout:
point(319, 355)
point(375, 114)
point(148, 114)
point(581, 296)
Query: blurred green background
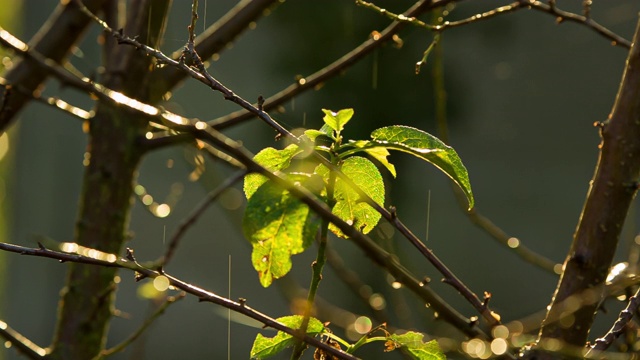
point(523, 94)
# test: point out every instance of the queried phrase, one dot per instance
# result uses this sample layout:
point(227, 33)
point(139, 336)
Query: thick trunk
point(103, 222)
point(113, 156)
point(614, 186)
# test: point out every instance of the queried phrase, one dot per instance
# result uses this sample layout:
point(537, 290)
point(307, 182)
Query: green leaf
point(412, 342)
point(338, 120)
point(273, 160)
point(380, 154)
point(264, 347)
point(348, 206)
point(429, 148)
point(278, 225)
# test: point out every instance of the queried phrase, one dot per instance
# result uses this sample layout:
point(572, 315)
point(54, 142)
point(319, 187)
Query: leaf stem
point(317, 265)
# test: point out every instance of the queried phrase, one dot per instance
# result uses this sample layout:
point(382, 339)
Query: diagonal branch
point(213, 40)
point(618, 327)
point(54, 41)
point(111, 260)
point(145, 325)
point(331, 70)
point(24, 345)
point(614, 185)
point(204, 132)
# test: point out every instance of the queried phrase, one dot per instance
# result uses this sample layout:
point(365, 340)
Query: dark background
point(523, 94)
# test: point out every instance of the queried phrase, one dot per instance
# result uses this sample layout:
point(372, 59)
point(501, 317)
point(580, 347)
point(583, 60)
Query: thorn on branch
point(425, 281)
point(40, 246)
point(260, 103)
point(130, 255)
point(486, 299)
point(473, 321)
point(242, 301)
point(393, 211)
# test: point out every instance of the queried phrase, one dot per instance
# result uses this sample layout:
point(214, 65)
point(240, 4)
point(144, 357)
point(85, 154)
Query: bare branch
point(196, 213)
point(213, 40)
point(54, 41)
point(517, 5)
point(25, 346)
point(618, 327)
point(206, 133)
point(584, 20)
point(203, 295)
point(145, 325)
point(331, 70)
point(612, 190)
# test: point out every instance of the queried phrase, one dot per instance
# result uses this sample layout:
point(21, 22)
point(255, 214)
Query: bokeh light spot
point(362, 325)
point(161, 283)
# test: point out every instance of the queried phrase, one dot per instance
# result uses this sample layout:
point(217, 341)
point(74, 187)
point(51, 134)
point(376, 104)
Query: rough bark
point(106, 198)
point(614, 185)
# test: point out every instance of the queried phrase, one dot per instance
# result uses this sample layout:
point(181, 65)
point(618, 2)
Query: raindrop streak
point(428, 214)
point(204, 20)
point(228, 311)
point(374, 74)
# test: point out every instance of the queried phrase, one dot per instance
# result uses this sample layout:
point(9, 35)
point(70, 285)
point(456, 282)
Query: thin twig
point(561, 15)
point(24, 346)
point(196, 213)
point(203, 295)
point(213, 40)
point(309, 82)
point(60, 33)
point(353, 283)
point(588, 22)
point(207, 134)
point(145, 325)
point(603, 343)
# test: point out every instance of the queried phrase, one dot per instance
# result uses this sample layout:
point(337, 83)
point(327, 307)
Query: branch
point(331, 70)
point(54, 102)
point(147, 323)
point(202, 131)
point(111, 260)
point(195, 215)
point(22, 344)
point(213, 40)
point(618, 327)
point(54, 40)
point(584, 20)
point(612, 190)
point(552, 9)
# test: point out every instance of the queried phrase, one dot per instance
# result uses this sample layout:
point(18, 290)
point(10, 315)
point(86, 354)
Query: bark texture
point(614, 185)
point(114, 138)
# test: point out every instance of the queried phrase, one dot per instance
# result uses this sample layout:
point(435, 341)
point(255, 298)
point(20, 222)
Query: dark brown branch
point(584, 20)
point(205, 133)
point(213, 40)
point(145, 325)
point(330, 71)
point(196, 213)
point(618, 327)
point(24, 346)
point(614, 186)
point(561, 15)
point(54, 41)
point(203, 295)
point(54, 102)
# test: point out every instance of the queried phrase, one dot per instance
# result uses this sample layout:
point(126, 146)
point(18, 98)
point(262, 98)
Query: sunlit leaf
point(264, 347)
point(337, 120)
point(414, 346)
point(278, 225)
point(380, 154)
point(273, 160)
point(428, 148)
point(349, 207)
